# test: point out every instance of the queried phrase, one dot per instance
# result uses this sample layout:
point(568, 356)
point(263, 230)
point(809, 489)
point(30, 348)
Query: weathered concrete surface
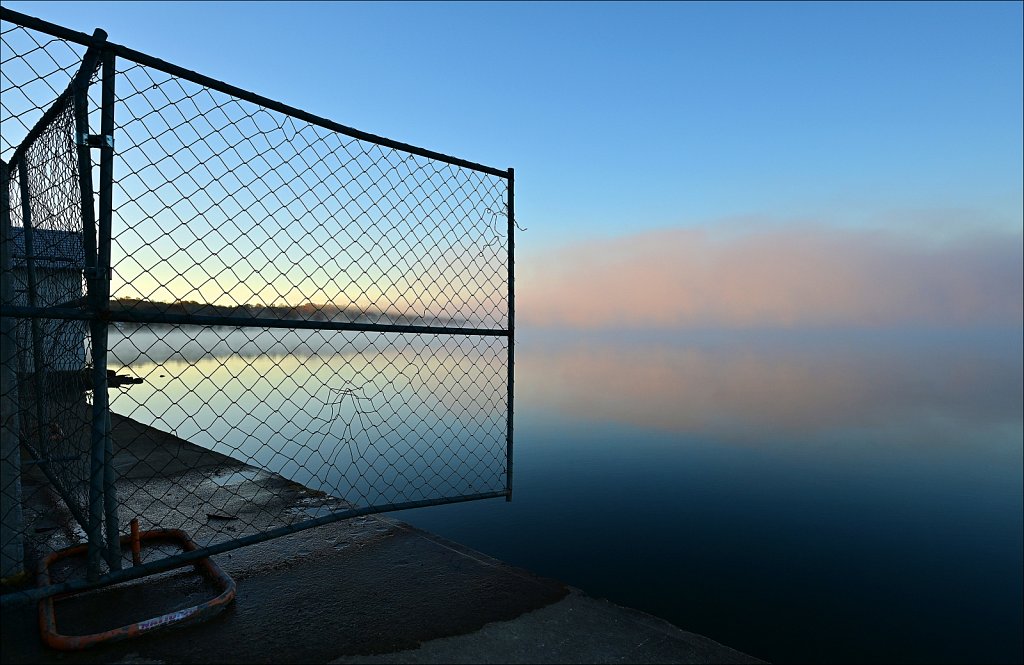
point(370, 589)
point(377, 592)
point(576, 629)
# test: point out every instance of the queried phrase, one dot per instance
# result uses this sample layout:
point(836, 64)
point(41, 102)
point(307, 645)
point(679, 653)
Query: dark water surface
point(822, 497)
point(829, 496)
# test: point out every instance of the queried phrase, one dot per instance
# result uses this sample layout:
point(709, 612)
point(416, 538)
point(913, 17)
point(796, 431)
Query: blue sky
point(622, 119)
point(637, 115)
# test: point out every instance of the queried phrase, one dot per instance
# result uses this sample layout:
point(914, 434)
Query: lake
point(798, 495)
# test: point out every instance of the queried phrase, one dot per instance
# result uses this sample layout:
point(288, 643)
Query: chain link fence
point(262, 321)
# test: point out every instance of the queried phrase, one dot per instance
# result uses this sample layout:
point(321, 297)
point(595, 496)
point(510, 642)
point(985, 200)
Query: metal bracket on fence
point(190, 615)
point(95, 140)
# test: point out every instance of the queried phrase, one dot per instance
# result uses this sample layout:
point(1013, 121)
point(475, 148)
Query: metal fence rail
point(296, 321)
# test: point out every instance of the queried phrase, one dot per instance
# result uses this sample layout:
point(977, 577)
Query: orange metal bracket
point(213, 572)
point(136, 545)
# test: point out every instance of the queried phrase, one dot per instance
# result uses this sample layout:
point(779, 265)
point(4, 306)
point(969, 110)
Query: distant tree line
point(304, 312)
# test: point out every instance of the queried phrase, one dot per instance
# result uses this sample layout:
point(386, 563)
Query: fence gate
point(228, 316)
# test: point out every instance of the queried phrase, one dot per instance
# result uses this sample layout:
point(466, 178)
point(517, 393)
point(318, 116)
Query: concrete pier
point(371, 589)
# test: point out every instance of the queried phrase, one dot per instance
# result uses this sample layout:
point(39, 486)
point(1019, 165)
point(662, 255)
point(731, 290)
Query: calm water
point(828, 496)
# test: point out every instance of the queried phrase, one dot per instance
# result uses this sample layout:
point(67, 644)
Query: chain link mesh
point(270, 283)
point(35, 70)
point(51, 394)
point(247, 211)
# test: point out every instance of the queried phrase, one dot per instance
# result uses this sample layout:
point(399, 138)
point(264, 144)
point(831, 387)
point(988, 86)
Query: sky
point(695, 164)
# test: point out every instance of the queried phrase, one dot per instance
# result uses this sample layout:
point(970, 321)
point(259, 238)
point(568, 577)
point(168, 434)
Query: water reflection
point(863, 489)
point(371, 419)
point(756, 488)
point(762, 388)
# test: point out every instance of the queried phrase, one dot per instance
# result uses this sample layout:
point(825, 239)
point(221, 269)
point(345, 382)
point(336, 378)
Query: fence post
point(511, 327)
point(97, 327)
point(11, 523)
point(103, 300)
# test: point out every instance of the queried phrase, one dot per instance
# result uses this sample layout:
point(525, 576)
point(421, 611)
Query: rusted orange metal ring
point(189, 615)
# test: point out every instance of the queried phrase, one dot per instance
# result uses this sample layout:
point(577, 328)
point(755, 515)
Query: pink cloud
point(785, 276)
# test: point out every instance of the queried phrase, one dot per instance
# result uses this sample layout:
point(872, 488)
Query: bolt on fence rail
point(241, 320)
